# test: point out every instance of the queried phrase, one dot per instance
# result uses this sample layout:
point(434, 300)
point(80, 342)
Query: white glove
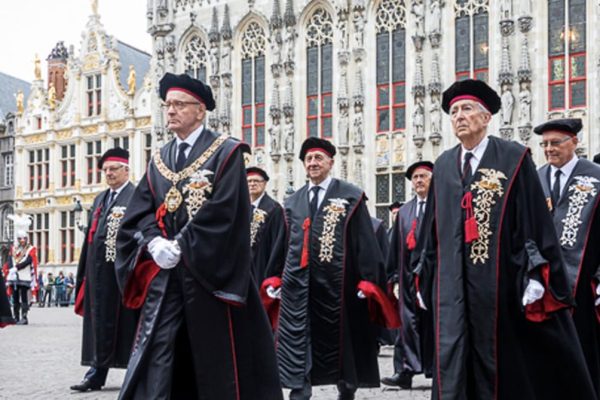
point(420, 301)
point(361, 295)
point(597, 302)
point(274, 293)
point(533, 292)
point(396, 290)
point(164, 252)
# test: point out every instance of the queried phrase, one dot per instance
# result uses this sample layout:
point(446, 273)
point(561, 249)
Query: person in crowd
point(22, 276)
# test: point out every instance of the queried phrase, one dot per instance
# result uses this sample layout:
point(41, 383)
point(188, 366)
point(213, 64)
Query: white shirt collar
point(323, 185)
point(191, 139)
point(566, 169)
point(120, 188)
point(477, 151)
point(256, 202)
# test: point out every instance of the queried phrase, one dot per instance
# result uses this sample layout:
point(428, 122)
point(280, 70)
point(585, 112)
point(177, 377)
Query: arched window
point(7, 224)
point(566, 42)
point(471, 39)
point(253, 85)
point(319, 74)
point(195, 58)
point(391, 66)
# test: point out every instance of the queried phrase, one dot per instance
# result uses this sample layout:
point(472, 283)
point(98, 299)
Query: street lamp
point(78, 210)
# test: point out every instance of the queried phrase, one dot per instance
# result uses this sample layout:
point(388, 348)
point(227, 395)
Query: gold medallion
point(173, 199)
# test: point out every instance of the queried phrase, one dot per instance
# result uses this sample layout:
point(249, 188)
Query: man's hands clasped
point(166, 253)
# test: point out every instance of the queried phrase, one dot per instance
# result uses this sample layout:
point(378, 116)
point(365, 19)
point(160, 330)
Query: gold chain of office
point(174, 198)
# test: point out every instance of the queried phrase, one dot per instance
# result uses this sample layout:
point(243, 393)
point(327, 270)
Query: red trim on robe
point(541, 309)
point(271, 305)
point(306, 244)
point(3, 325)
point(381, 309)
point(94, 226)
point(159, 216)
point(79, 310)
point(411, 241)
point(471, 229)
point(138, 283)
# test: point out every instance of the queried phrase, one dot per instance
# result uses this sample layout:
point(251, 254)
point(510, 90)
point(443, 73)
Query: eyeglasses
point(112, 169)
point(177, 104)
point(255, 181)
point(554, 143)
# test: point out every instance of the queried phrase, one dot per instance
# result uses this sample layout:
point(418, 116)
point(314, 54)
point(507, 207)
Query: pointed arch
point(194, 50)
point(471, 27)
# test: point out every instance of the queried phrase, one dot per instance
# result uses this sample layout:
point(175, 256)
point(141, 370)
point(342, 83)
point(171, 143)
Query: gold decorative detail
point(487, 191)
point(91, 61)
point(258, 219)
point(78, 184)
point(77, 253)
point(112, 227)
point(64, 134)
point(20, 99)
point(334, 211)
point(50, 256)
point(19, 191)
point(581, 192)
point(64, 200)
point(116, 125)
point(174, 198)
point(131, 81)
point(37, 69)
point(34, 203)
point(196, 191)
point(88, 198)
point(142, 122)
point(39, 138)
point(90, 129)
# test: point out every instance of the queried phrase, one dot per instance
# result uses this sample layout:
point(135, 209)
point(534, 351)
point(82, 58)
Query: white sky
point(28, 27)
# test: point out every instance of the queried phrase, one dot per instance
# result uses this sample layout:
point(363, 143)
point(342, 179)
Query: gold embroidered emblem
point(581, 192)
point(258, 219)
point(488, 190)
point(174, 198)
point(112, 227)
point(334, 211)
point(196, 191)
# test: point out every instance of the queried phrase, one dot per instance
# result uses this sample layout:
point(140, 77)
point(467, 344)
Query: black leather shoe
point(23, 321)
point(403, 380)
point(346, 396)
point(86, 385)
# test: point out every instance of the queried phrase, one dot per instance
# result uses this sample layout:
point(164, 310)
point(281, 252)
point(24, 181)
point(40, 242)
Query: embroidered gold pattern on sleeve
point(258, 219)
point(581, 192)
point(112, 227)
point(334, 212)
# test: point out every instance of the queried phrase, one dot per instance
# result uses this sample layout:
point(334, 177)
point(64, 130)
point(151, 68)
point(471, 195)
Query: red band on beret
point(428, 168)
point(469, 97)
point(253, 173)
point(319, 149)
point(117, 159)
point(194, 95)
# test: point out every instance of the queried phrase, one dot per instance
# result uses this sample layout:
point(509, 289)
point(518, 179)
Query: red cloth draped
point(138, 283)
point(306, 244)
point(79, 310)
point(471, 231)
point(381, 309)
point(540, 310)
point(94, 226)
point(411, 241)
point(271, 305)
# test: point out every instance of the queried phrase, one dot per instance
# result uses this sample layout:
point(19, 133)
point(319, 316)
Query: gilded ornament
point(580, 193)
point(112, 227)
point(196, 191)
point(258, 219)
point(333, 213)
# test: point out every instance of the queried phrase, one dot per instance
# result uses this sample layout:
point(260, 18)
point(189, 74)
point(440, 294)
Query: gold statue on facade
point(20, 97)
point(37, 70)
point(52, 96)
point(95, 7)
point(131, 81)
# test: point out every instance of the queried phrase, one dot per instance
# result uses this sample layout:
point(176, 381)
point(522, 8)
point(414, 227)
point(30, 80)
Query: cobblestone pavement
point(41, 361)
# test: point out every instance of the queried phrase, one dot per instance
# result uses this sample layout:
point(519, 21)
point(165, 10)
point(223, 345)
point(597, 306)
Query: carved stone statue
point(342, 26)
point(214, 60)
point(95, 7)
point(524, 107)
point(358, 123)
point(37, 69)
point(436, 16)
point(226, 56)
point(20, 98)
point(418, 119)
point(505, 9)
point(343, 125)
point(52, 96)
point(435, 113)
point(418, 10)
point(358, 19)
point(131, 81)
point(275, 131)
point(290, 42)
point(289, 135)
point(276, 42)
point(508, 102)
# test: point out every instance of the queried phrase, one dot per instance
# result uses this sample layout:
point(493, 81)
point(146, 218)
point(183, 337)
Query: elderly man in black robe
point(413, 350)
point(571, 186)
point(501, 297)
point(184, 257)
point(331, 284)
point(108, 327)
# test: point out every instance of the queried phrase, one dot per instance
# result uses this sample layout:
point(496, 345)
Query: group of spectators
point(57, 290)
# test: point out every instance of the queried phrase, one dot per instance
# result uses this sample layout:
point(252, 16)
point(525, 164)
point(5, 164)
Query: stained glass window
point(253, 85)
point(471, 44)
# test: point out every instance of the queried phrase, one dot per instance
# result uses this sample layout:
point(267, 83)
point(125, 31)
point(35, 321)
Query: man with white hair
point(22, 270)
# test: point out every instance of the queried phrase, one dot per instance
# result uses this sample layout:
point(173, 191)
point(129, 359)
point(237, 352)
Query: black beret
point(597, 158)
point(471, 89)
point(259, 171)
point(189, 85)
point(395, 205)
point(317, 143)
point(419, 164)
point(115, 154)
point(569, 126)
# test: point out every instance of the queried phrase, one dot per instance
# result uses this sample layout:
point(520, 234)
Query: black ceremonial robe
point(386, 336)
point(108, 327)
point(319, 290)
point(267, 238)
point(577, 221)
point(225, 349)
point(6, 317)
point(487, 345)
point(413, 350)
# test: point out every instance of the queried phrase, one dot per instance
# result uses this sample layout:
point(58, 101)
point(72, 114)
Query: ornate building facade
point(368, 74)
point(92, 101)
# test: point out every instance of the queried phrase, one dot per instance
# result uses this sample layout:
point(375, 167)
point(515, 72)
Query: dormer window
point(94, 95)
